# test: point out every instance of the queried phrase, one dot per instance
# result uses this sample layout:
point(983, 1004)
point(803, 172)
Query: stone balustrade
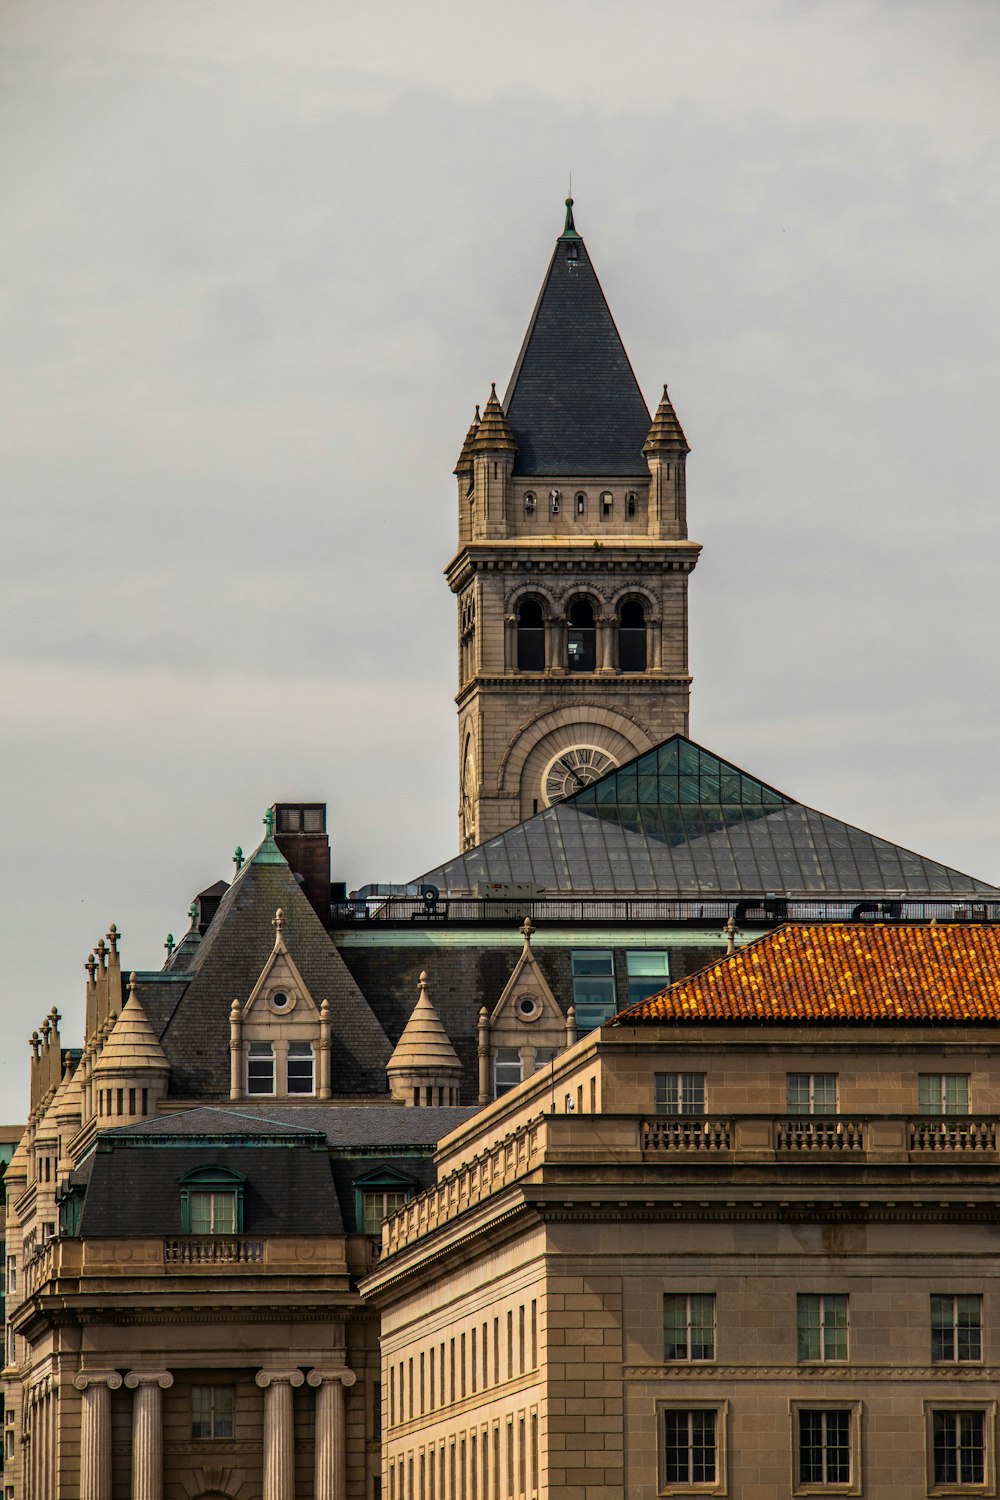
point(585, 1139)
point(213, 1250)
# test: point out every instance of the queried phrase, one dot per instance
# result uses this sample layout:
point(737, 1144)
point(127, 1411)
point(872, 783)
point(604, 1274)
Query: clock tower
point(572, 565)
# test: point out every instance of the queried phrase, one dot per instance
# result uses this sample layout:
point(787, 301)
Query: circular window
point(281, 1002)
point(527, 1008)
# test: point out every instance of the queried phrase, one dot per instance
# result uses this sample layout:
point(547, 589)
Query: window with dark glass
point(300, 1068)
point(680, 1093)
point(530, 636)
point(630, 505)
point(581, 636)
point(824, 1447)
point(690, 1453)
point(822, 1326)
point(593, 987)
point(212, 1411)
point(956, 1328)
point(581, 504)
point(607, 505)
point(959, 1439)
point(632, 637)
point(260, 1068)
point(688, 1326)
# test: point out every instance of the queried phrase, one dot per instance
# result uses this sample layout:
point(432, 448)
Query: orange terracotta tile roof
point(878, 973)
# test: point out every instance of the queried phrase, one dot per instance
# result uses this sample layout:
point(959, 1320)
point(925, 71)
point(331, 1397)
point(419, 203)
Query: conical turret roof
point(132, 1046)
point(424, 1045)
point(464, 465)
point(666, 434)
point(573, 404)
point(493, 433)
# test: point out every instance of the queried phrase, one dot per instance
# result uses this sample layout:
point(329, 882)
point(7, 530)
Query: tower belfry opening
point(572, 563)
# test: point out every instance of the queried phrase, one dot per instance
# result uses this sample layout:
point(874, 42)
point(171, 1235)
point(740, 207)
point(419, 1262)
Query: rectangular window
point(822, 1326)
point(212, 1411)
point(506, 1070)
point(959, 1451)
point(593, 988)
point(648, 972)
point(377, 1206)
point(956, 1329)
point(260, 1068)
point(688, 1326)
point(824, 1447)
point(212, 1213)
point(944, 1093)
point(690, 1451)
point(300, 1068)
point(812, 1093)
point(680, 1093)
point(11, 1275)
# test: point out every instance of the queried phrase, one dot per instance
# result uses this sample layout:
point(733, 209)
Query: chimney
point(300, 833)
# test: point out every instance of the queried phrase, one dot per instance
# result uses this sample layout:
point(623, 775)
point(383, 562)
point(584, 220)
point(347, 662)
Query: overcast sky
point(260, 260)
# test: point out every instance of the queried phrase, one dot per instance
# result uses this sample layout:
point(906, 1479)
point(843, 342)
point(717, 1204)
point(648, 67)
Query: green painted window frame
point(212, 1180)
point(385, 1180)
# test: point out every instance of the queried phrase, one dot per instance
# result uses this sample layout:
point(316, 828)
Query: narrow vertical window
point(260, 1068)
point(530, 636)
point(300, 1068)
point(581, 637)
point(822, 1326)
point(632, 637)
point(534, 1334)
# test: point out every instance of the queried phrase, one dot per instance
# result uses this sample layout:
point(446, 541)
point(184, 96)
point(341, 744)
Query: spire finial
point(268, 821)
point(279, 921)
point(422, 982)
point(569, 225)
point(133, 984)
point(193, 912)
point(91, 968)
point(170, 944)
point(238, 858)
point(527, 930)
point(114, 937)
point(731, 930)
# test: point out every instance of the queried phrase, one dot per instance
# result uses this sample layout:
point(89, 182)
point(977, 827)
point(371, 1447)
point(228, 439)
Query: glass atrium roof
point(680, 821)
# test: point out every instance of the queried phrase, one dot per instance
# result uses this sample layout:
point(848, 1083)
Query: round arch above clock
point(568, 747)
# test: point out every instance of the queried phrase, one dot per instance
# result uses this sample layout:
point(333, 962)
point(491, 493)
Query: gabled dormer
point(527, 1028)
point(280, 1036)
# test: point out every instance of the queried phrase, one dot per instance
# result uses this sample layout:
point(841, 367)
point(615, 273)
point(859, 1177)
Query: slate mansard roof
point(573, 404)
point(680, 821)
point(829, 975)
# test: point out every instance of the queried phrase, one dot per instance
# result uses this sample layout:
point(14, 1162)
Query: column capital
point(110, 1378)
point(264, 1378)
point(162, 1378)
point(346, 1377)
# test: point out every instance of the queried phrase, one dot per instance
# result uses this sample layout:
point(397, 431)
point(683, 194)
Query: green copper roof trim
point(267, 852)
point(569, 229)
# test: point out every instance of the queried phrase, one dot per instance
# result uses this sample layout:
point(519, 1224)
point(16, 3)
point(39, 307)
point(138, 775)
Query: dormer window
point(529, 504)
point(300, 1068)
point(260, 1068)
point(212, 1201)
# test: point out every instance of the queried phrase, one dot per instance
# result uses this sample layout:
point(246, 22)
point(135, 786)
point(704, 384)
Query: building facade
point(572, 564)
point(741, 1241)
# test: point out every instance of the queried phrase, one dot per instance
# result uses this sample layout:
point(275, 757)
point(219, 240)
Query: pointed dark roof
point(666, 434)
point(194, 1032)
point(493, 435)
point(680, 821)
point(573, 403)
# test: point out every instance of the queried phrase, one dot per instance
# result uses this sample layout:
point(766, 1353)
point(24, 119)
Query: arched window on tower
point(632, 637)
point(530, 636)
point(581, 637)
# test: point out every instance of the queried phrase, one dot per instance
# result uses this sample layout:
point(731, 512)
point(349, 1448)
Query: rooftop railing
point(749, 912)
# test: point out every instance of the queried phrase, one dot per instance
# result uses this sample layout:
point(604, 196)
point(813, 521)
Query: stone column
point(557, 640)
point(279, 1432)
point(95, 1433)
point(331, 1439)
point(235, 1050)
point(510, 643)
point(654, 644)
point(323, 1052)
point(483, 1050)
point(147, 1431)
point(605, 642)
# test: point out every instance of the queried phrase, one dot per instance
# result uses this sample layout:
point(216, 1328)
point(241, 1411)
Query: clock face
point(573, 769)
point(468, 802)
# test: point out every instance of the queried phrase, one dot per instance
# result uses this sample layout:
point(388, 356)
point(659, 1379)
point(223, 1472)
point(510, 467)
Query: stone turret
point(666, 450)
point(131, 1074)
point(424, 1068)
point(493, 454)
